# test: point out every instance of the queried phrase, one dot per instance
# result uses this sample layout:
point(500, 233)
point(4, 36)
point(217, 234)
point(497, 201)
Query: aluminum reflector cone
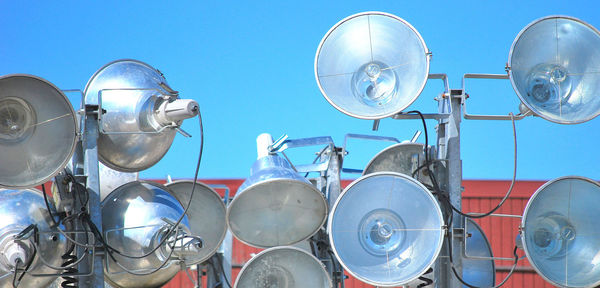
point(275, 206)
point(38, 131)
point(206, 216)
point(554, 68)
point(478, 272)
point(371, 65)
point(561, 231)
point(287, 267)
point(386, 229)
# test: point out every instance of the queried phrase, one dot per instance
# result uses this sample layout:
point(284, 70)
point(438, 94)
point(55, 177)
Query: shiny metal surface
point(37, 131)
point(135, 218)
point(283, 267)
point(560, 232)
point(275, 206)
point(19, 209)
point(404, 158)
point(371, 65)
point(554, 69)
point(386, 229)
point(478, 272)
point(111, 179)
point(129, 111)
point(206, 216)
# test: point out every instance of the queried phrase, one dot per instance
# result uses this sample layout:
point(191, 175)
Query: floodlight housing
point(372, 65)
point(553, 67)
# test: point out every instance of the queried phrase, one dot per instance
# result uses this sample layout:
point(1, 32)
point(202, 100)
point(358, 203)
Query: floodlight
point(275, 206)
point(206, 216)
point(405, 158)
point(560, 232)
point(386, 229)
point(554, 69)
point(136, 218)
point(38, 131)
point(478, 272)
point(18, 210)
point(371, 65)
point(288, 267)
point(111, 179)
point(140, 114)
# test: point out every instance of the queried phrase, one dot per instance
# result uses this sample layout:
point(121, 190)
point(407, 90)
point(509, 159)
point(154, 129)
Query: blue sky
point(249, 64)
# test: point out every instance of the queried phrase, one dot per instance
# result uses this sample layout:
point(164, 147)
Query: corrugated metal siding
point(479, 196)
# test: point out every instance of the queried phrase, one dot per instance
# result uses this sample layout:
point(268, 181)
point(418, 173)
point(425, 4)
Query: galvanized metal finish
point(130, 91)
point(90, 167)
point(38, 131)
point(275, 206)
point(19, 209)
point(405, 158)
point(135, 218)
point(285, 266)
point(206, 216)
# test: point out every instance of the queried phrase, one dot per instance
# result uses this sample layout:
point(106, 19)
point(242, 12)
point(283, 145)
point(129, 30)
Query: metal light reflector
point(111, 179)
point(478, 272)
point(404, 158)
point(288, 267)
point(135, 219)
point(38, 131)
point(275, 206)
point(371, 65)
point(206, 216)
point(137, 117)
point(560, 232)
point(386, 229)
point(18, 210)
point(554, 69)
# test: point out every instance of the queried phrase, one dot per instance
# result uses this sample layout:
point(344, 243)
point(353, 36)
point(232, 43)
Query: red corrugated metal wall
point(479, 196)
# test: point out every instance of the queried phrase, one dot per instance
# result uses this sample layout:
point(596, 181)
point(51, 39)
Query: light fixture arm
point(465, 96)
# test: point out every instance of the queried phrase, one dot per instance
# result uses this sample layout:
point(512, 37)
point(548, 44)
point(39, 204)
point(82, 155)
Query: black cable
point(449, 207)
point(445, 198)
point(16, 283)
point(172, 229)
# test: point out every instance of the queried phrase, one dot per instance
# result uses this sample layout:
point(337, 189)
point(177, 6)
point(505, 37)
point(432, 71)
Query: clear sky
point(249, 64)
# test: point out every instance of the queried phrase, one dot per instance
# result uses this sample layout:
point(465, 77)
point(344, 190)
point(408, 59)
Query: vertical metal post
point(449, 145)
point(90, 164)
point(331, 188)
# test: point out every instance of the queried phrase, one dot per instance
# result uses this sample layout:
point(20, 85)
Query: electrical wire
point(449, 207)
point(445, 197)
point(172, 229)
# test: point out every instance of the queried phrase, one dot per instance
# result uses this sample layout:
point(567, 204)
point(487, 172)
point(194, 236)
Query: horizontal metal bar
point(436, 116)
point(464, 97)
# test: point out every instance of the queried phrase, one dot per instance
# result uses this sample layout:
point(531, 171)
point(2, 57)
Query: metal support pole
point(449, 141)
point(90, 160)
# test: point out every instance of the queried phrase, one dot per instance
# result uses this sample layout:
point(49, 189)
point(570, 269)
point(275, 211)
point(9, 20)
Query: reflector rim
point(426, 53)
point(524, 229)
point(405, 177)
point(73, 142)
point(510, 70)
point(282, 248)
point(232, 203)
point(190, 220)
point(394, 146)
